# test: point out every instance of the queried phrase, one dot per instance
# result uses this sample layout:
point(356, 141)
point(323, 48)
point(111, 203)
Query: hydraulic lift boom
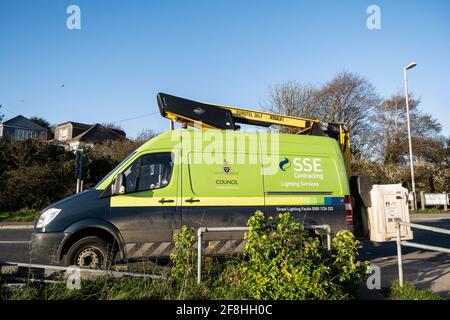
point(213, 116)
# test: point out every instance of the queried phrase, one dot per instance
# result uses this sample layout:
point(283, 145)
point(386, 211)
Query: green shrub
point(283, 263)
point(184, 268)
point(184, 256)
point(34, 173)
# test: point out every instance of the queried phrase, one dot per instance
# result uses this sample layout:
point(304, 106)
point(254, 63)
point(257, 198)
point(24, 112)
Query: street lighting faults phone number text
point(226, 309)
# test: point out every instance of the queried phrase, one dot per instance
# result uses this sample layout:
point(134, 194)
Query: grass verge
point(429, 210)
point(213, 287)
point(22, 215)
point(410, 292)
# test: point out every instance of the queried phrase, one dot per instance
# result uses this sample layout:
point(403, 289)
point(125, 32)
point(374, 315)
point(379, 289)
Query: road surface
point(14, 244)
point(426, 269)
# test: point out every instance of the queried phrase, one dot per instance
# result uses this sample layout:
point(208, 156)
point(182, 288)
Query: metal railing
point(202, 230)
point(11, 268)
point(401, 243)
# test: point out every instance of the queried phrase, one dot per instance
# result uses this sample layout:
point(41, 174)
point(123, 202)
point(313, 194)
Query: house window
point(63, 134)
point(21, 134)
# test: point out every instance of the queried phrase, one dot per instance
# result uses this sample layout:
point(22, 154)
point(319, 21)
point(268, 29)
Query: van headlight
point(47, 216)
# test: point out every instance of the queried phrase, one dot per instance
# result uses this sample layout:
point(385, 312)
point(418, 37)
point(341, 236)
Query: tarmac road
point(426, 269)
point(14, 244)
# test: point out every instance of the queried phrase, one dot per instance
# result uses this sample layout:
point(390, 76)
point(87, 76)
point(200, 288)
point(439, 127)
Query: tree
point(350, 99)
point(293, 99)
point(391, 130)
point(431, 163)
point(430, 150)
point(111, 125)
point(41, 122)
point(45, 124)
point(145, 135)
point(33, 174)
point(347, 98)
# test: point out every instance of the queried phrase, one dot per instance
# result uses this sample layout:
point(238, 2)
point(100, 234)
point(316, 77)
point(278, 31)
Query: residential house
point(19, 128)
point(73, 134)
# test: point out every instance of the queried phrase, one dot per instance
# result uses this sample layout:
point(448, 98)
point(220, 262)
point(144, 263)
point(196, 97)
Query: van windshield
point(113, 170)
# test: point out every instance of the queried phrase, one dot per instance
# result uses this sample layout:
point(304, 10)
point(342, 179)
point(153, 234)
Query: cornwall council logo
point(226, 167)
point(285, 164)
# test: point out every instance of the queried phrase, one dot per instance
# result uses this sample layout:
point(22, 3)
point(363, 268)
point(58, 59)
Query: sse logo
point(302, 164)
point(285, 164)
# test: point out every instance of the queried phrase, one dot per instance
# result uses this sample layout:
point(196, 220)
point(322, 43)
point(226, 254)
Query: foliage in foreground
point(410, 292)
point(280, 261)
point(283, 263)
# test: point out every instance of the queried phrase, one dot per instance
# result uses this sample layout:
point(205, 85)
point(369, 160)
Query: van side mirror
point(119, 185)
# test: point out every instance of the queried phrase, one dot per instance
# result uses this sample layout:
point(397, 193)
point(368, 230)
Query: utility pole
point(80, 160)
point(405, 76)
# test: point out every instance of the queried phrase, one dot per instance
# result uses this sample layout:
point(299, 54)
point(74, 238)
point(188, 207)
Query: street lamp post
point(405, 75)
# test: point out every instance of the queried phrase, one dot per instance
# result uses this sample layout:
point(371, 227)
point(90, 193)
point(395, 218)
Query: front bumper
point(45, 247)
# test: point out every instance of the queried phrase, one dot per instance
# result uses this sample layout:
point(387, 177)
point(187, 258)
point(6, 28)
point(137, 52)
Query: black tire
point(90, 252)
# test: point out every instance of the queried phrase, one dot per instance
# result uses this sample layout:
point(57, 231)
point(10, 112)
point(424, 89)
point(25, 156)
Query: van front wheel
point(89, 252)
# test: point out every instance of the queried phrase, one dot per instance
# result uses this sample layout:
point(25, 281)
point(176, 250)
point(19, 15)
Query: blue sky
point(227, 52)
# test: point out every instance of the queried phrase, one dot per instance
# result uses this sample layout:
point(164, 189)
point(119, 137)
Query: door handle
point(163, 200)
point(192, 200)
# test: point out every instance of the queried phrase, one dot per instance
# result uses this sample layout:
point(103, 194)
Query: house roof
point(82, 127)
point(77, 125)
point(98, 133)
point(22, 122)
point(118, 131)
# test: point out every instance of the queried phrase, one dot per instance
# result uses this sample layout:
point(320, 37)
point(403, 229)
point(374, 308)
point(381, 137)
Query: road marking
point(14, 242)
point(17, 227)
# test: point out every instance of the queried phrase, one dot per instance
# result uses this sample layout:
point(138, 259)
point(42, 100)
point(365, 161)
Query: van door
point(221, 194)
point(146, 215)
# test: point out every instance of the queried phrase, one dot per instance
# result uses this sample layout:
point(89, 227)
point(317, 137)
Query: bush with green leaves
point(184, 255)
point(280, 261)
point(184, 264)
point(35, 173)
point(284, 263)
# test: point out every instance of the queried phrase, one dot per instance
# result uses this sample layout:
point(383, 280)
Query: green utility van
point(212, 178)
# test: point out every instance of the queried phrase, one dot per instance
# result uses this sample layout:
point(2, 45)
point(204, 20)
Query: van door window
point(149, 172)
point(131, 174)
point(155, 171)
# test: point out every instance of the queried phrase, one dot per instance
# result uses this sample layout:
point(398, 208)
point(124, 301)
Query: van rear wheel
point(90, 252)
